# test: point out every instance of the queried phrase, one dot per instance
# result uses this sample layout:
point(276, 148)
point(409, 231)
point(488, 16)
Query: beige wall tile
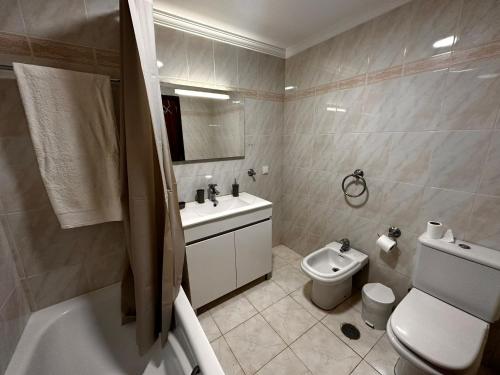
point(483, 228)
point(103, 18)
point(490, 174)
point(461, 110)
point(226, 64)
point(201, 64)
point(14, 315)
point(171, 52)
point(431, 21)
point(389, 38)
point(71, 25)
point(10, 17)
point(56, 286)
point(456, 162)
point(479, 22)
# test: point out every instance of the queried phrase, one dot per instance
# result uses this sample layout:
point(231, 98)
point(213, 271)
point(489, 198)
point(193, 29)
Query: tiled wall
point(422, 122)
point(40, 264)
point(196, 61)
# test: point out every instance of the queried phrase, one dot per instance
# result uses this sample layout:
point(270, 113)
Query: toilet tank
point(462, 274)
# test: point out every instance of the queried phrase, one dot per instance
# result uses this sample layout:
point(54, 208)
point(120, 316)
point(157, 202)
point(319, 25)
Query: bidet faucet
point(212, 193)
point(346, 245)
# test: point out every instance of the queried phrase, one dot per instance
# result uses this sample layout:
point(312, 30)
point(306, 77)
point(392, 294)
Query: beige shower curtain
point(155, 239)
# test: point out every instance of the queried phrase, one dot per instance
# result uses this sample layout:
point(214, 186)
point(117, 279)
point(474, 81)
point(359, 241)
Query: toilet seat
point(437, 332)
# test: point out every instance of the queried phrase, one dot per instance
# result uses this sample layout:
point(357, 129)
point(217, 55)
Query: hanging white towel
point(72, 126)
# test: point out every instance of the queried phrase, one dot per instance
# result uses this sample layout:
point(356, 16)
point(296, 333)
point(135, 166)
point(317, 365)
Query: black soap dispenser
point(236, 189)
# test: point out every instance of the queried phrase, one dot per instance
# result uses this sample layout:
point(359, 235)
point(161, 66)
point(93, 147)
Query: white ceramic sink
point(195, 213)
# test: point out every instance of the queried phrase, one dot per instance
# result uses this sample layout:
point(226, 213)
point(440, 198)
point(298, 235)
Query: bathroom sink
point(225, 203)
point(196, 214)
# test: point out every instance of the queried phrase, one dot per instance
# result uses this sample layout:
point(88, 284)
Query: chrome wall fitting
point(358, 175)
point(394, 232)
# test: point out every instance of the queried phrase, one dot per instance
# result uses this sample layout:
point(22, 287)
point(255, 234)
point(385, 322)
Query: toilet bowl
point(433, 337)
point(331, 272)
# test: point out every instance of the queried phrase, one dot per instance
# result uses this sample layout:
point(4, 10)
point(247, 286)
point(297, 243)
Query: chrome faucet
point(212, 194)
point(346, 245)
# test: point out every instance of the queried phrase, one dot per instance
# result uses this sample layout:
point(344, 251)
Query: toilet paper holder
point(394, 232)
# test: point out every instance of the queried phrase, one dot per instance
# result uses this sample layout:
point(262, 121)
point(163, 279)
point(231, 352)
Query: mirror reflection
point(203, 124)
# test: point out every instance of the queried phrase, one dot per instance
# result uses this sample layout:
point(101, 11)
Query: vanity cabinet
point(253, 246)
point(222, 263)
point(211, 268)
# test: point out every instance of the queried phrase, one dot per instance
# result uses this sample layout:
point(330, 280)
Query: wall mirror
point(203, 124)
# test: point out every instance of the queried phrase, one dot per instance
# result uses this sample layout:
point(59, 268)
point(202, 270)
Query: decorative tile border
point(11, 44)
point(62, 52)
point(59, 52)
point(443, 61)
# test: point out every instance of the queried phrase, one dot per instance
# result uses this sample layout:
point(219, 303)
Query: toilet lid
point(379, 293)
point(438, 332)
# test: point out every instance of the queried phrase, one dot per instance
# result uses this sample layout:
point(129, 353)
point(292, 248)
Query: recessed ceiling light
point(202, 94)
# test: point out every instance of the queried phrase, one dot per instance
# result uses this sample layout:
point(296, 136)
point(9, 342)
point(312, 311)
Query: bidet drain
point(350, 331)
point(335, 269)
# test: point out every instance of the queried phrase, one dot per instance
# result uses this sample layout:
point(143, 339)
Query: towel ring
point(358, 175)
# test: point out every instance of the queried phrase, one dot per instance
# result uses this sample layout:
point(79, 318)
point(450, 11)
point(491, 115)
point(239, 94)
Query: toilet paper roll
point(435, 230)
point(385, 243)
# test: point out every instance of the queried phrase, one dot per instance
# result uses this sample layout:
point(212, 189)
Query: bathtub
point(83, 336)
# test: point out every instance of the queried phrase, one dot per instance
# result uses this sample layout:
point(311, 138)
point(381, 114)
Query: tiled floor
point(273, 328)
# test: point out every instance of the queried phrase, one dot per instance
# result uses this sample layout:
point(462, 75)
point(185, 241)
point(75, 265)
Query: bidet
point(331, 269)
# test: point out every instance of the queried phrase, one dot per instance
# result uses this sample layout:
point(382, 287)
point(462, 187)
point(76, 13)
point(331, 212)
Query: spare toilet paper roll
point(385, 243)
point(435, 229)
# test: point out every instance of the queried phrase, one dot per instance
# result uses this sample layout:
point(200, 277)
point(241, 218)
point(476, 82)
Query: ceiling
point(289, 25)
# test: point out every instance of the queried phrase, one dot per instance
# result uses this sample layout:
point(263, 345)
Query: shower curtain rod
point(10, 67)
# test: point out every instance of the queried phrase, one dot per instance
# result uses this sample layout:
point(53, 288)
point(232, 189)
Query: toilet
point(331, 272)
point(442, 324)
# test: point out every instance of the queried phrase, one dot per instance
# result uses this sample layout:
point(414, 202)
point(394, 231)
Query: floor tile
point(323, 353)
point(303, 297)
point(286, 253)
point(356, 301)
point(383, 357)
point(209, 327)
point(289, 279)
point(285, 363)
point(264, 294)
point(226, 357)
point(288, 319)
point(278, 262)
point(232, 312)
point(254, 343)
point(345, 313)
point(364, 369)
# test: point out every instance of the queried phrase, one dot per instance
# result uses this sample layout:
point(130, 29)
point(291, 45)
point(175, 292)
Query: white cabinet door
point(253, 252)
point(211, 268)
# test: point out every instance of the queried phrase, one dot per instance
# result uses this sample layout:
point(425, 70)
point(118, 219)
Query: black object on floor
point(350, 331)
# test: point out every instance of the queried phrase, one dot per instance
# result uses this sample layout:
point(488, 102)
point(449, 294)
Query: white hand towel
point(72, 126)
